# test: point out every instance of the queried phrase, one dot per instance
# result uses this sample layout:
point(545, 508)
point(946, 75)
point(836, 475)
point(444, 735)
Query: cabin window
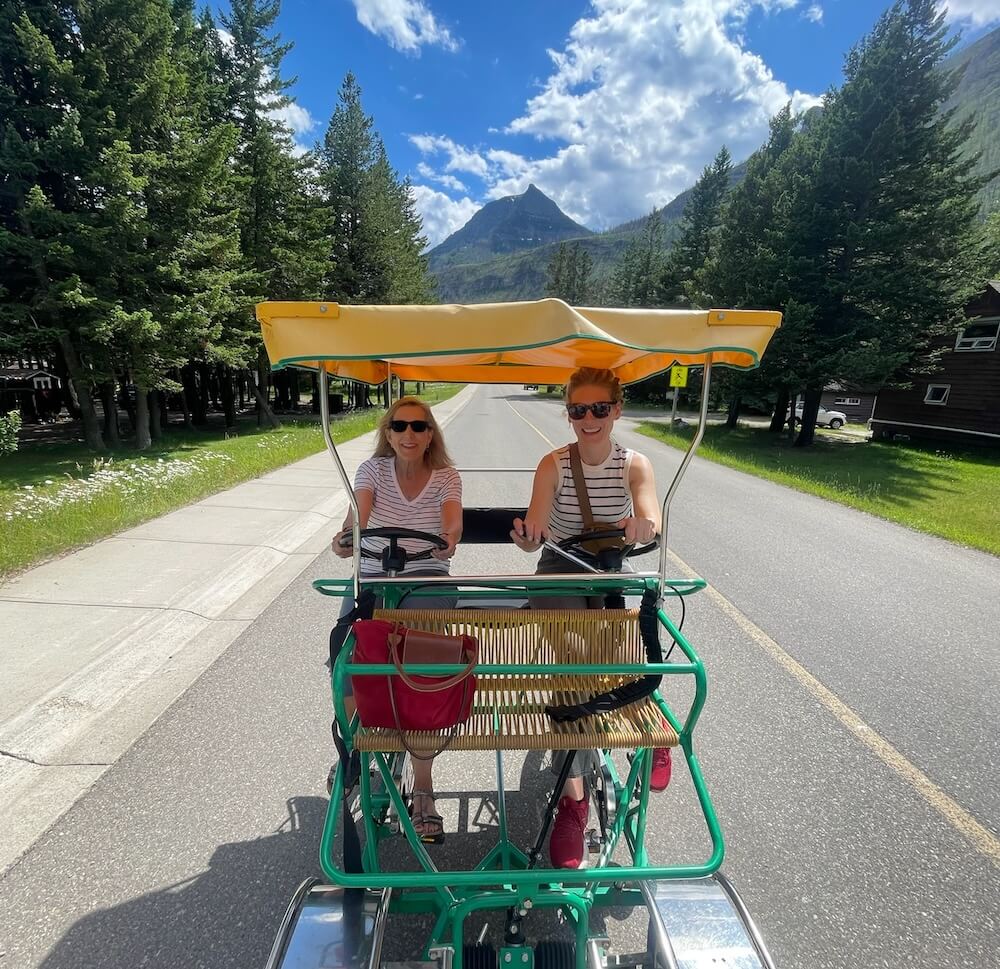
point(848, 401)
point(981, 335)
point(937, 394)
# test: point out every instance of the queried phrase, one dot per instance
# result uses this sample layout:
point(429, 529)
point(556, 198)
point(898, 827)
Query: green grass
point(56, 497)
point(953, 493)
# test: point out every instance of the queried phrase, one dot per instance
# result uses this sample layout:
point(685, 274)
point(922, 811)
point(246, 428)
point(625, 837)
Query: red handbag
point(412, 702)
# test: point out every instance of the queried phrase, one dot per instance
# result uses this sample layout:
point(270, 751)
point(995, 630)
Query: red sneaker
point(659, 776)
point(567, 844)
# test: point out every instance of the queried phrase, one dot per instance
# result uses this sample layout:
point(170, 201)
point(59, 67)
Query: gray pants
point(410, 602)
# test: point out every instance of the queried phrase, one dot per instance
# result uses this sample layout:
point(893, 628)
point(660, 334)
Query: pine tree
point(555, 272)
point(700, 223)
point(201, 280)
point(45, 200)
point(347, 155)
point(569, 275)
point(743, 269)
point(376, 253)
point(636, 276)
point(279, 227)
point(390, 236)
point(881, 209)
point(991, 246)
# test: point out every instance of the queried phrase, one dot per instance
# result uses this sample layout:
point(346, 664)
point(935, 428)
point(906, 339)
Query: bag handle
point(448, 741)
point(396, 640)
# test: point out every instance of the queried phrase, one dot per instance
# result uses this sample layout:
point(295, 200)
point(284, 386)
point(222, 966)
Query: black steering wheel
point(394, 557)
point(607, 559)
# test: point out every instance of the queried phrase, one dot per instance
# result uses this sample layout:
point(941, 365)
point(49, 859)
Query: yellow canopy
point(540, 342)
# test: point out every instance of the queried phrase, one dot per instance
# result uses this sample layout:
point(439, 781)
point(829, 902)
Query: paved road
point(849, 742)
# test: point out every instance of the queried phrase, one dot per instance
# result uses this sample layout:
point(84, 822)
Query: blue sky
point(610, 107)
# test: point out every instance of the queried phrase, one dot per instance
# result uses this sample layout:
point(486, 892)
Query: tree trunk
point(65, 391)
point(195, 399)
point(793, 404)
point(155, 427)
point(185, 406)
point(228, 399)
point(260, 391)
point(112, 434)
point(264, 412)
point(129, 402)
point(314, 405)
point(88, 413)
point(142, 438)
point(204, 390)
point(780, 411)
point(810, 410)
point(733, 417)
point(164, 410)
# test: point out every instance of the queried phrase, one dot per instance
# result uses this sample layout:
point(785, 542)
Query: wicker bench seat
point(509, 708)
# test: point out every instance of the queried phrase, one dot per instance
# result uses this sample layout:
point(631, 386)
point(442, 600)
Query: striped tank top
point(607, 488)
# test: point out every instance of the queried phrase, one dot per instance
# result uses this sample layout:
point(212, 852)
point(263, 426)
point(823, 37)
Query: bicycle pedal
point(594, 841)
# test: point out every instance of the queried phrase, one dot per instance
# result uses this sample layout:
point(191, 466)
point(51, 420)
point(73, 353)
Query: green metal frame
point(500, 880)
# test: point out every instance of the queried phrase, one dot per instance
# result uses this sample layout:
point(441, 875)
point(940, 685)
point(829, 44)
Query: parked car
point(834, 419)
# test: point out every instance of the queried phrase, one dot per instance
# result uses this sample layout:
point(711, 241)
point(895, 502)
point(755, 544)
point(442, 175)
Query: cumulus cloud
point(448, 181)
point(975, 13)
point(406, 25)
point(814, 12)
point(296, 117)
point(460, 159)
point(441, 215)
point(640, 98)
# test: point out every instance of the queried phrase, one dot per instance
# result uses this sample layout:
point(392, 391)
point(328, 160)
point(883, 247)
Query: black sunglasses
point(399, 426)
point(577, 412)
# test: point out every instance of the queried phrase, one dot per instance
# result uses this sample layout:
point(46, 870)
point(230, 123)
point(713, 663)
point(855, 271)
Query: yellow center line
point(981, 838)
point(532, 426)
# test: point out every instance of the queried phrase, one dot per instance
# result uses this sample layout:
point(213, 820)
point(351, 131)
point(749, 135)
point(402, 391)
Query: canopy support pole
point(699, 434)
point(324, 417)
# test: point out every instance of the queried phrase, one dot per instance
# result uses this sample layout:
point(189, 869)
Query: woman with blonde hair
point(621, 490)
point(409, 482)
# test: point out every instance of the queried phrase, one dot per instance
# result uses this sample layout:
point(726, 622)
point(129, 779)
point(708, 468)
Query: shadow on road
point(225, 918)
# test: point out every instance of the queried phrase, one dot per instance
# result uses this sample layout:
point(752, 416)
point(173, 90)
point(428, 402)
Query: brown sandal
point(424, 820)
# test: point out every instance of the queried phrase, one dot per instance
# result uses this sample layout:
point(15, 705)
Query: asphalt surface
point(185, 853)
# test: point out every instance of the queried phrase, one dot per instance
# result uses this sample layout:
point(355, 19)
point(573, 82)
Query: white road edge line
point(980, 837)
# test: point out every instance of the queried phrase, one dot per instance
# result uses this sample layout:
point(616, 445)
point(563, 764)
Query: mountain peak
point(510, 224)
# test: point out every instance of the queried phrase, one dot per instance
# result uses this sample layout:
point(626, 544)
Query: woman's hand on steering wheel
point(638, 531)
point(527, 535)
point(443, 554)
point(346, 550)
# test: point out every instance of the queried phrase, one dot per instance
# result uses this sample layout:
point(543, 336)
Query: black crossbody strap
point(628, 692)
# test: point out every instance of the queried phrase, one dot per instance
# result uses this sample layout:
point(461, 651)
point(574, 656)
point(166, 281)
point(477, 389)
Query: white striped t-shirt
point(607, 489)
point(391, 508)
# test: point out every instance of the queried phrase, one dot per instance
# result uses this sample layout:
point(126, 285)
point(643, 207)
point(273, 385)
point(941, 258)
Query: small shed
point(857, 402)
point(33, 392)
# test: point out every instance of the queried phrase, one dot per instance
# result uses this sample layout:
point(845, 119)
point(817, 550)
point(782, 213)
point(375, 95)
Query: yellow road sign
point(678, 376)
